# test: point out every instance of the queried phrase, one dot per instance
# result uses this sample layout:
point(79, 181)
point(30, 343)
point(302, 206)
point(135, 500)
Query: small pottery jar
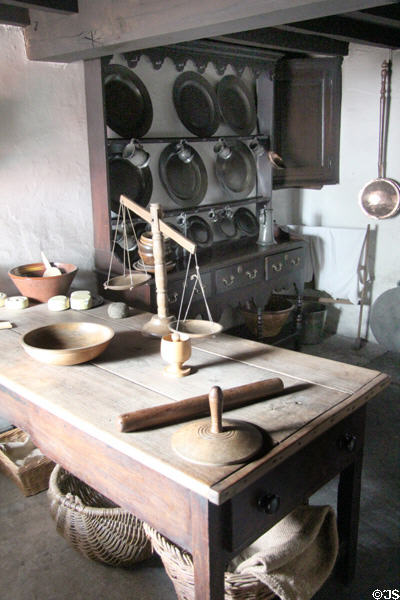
point(176, 349)
point(145, 249)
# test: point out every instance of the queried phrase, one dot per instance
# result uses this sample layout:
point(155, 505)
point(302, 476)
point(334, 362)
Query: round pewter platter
point(128, 107)
point(185, 183)
point(128, 180)
point(237, 174)
point(196, 103)
point(236, 104)
point(385, 319)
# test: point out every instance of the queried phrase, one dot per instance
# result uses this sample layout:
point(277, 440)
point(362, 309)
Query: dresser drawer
point(175, 290)
point(239, 275)
point(268, 500)
point(277, 265)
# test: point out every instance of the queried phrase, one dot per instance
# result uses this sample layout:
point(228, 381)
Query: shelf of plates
point(202, 154)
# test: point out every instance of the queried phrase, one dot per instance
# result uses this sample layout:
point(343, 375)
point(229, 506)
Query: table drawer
point(274, 495)
point(277, 265)
point(239, 275)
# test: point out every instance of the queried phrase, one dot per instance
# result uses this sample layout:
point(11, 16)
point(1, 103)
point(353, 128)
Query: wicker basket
point(31, 478)
point(179, 567)
point(93, 524)
point(271, 320)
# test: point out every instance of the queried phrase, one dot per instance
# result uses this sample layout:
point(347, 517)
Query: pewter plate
point(237, 174)
point(385, 319)
point(128, 107)
point(196, 104)
point(236, 105)
point(199, 231)
point(185, 183)
point(245, 221)
point(127, 179)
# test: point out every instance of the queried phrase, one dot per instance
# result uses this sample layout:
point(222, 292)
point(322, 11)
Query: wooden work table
point(313, 431)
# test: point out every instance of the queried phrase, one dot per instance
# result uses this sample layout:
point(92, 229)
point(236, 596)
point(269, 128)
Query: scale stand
point(159, 323)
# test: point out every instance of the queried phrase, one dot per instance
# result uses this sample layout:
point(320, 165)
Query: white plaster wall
point(45, 200)
point(337, 205)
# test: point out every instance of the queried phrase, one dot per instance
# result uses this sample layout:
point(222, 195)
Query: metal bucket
point(314, 318)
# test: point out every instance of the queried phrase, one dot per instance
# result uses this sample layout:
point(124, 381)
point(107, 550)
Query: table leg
point(207, 551)
point(299, 321)
point(348, 509)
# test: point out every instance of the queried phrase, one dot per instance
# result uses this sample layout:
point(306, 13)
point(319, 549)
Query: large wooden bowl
point(273, 317)
point(29, 280)
point(67, 343)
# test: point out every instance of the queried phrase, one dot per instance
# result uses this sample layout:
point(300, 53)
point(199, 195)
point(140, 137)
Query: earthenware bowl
point(29, 280)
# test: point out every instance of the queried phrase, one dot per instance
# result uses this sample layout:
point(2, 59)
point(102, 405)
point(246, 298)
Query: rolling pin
point(198, 406)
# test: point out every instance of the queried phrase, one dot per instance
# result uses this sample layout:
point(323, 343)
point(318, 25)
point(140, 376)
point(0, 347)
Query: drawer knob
point(198, 290)
point(295, 261)
point(173, 298)
point(228, 283)
point(252, 274)
point(277, 267)
point(269, 503)
point(348, 442)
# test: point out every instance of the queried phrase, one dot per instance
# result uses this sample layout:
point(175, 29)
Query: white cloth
point(21, 452)
point(334, 259)
point(296, 556)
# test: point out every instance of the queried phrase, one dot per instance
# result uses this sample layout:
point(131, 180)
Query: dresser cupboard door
point(307, 122)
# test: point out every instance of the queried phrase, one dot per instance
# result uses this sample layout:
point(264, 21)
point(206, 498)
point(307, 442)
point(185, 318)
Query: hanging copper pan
point(380, 198)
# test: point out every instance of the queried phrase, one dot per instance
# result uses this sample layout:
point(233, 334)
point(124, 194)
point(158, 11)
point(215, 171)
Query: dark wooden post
point(208, 554)
point(348, 509)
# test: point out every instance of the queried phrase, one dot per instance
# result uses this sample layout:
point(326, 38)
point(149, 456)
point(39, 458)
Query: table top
point(128, 376)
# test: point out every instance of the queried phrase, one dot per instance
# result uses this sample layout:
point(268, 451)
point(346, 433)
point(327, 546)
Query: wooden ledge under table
point(313, 431)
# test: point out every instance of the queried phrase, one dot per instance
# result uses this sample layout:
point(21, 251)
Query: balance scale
point(162, 323)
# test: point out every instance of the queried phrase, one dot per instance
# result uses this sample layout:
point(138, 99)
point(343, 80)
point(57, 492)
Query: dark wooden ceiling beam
point(348, 29)
point(11, 15)
point(391, 12)
point(276, 39)
point(60, 6)
point(103, 26)
point(388, 18)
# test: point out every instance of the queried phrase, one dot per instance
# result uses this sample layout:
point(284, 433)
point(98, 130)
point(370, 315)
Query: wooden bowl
point(273, 317)
point(29, 280)
point(67, 343)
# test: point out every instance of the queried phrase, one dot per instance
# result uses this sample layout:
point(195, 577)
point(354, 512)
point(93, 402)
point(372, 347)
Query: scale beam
point(165, 229)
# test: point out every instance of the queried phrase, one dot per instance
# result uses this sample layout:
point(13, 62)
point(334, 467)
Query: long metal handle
point(382, 118)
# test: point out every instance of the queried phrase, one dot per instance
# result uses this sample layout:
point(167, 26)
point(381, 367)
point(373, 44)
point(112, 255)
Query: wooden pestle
point(198, 406)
